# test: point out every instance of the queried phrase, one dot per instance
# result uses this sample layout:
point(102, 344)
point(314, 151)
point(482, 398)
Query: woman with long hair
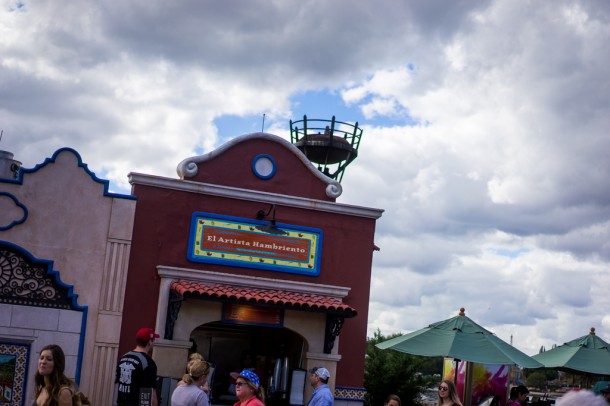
point(190, 393)
point(51, 386)
point(447, 395)
point(248, 389)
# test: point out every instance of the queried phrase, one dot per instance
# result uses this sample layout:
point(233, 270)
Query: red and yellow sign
point(241, 242)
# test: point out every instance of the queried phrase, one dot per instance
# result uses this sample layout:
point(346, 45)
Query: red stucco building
point(289, 287)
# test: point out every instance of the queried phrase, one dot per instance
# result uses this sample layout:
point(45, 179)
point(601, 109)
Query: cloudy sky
point(485, 130)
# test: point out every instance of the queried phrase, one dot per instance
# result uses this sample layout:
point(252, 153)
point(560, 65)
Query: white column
point(162, 305)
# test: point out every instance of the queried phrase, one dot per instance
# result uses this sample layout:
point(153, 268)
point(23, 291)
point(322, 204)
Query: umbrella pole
point(457, 364)
point(467, 399)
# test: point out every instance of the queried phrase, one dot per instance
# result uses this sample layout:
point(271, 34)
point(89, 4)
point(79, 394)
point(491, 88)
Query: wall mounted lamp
point(271, 227)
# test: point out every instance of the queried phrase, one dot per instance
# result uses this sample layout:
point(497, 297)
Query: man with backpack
point(136, 373)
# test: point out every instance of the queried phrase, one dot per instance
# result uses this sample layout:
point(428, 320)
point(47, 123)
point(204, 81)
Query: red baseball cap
point(146, 334)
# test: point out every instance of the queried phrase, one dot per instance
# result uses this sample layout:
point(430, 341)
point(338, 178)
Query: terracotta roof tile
point(288, 299)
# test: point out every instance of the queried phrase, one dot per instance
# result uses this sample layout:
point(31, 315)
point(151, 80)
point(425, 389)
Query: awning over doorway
point(249, 295)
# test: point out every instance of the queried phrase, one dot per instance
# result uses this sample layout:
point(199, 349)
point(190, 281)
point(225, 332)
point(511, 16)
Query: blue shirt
point(321, 397)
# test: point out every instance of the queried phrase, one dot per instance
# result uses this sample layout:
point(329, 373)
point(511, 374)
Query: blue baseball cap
point(247, 375)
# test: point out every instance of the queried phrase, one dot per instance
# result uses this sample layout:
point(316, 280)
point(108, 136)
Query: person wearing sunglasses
point(248, 389)
point(447, 395)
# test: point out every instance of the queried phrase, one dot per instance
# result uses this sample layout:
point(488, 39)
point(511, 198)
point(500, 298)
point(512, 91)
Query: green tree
point(540, 378)
point(536, 379)
point(389, 371)
point(431, 365)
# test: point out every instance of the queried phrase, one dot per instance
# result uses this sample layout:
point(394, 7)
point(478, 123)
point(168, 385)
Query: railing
point(350, 132)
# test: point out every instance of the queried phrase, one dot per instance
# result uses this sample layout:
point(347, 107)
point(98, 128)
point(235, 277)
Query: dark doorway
point(232, 347)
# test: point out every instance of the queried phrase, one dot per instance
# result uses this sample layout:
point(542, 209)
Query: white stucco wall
point(39, 327)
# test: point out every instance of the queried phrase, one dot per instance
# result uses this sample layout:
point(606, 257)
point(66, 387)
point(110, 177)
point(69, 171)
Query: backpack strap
point(141, 357)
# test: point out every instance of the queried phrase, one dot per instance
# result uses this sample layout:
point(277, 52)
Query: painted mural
point(487, 380)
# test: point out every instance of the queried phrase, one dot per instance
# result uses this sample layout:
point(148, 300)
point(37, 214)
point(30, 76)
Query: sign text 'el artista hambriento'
point(237, 241)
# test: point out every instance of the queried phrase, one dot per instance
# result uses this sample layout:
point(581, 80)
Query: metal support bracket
point(333, 328)
point(173, 308)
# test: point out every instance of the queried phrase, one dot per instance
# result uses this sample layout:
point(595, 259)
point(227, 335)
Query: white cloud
point(496, 194)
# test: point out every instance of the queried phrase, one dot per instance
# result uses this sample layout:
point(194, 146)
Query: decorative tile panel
point(13, 368)
point(351, 394)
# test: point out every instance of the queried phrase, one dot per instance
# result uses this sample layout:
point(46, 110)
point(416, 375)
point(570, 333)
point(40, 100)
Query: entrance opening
point(275, 354)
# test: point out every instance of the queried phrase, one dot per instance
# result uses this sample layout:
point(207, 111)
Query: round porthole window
point(263, 166)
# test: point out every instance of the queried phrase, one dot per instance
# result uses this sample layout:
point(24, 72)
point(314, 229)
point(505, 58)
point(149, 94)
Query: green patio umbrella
point(589, 354)
point(463, 339)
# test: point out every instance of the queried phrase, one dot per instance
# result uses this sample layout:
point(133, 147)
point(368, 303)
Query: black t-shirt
point(135, 370)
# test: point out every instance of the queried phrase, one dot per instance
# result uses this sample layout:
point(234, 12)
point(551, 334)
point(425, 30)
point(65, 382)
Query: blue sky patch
point(323, 104)
point(510, 253)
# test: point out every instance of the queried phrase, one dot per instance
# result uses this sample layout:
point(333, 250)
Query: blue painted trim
point(18, 204)
point(71, 295)
point(315, 271)
point(273, 171)
point(81, 164)
point(81, 344)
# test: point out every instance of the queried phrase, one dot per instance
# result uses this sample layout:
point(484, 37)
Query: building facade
point(248, 252)
point(64, 249)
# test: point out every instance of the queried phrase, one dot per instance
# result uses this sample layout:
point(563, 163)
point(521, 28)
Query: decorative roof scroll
point(188, 167)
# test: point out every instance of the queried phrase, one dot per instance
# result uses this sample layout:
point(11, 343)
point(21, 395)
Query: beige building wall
point(86, 232)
